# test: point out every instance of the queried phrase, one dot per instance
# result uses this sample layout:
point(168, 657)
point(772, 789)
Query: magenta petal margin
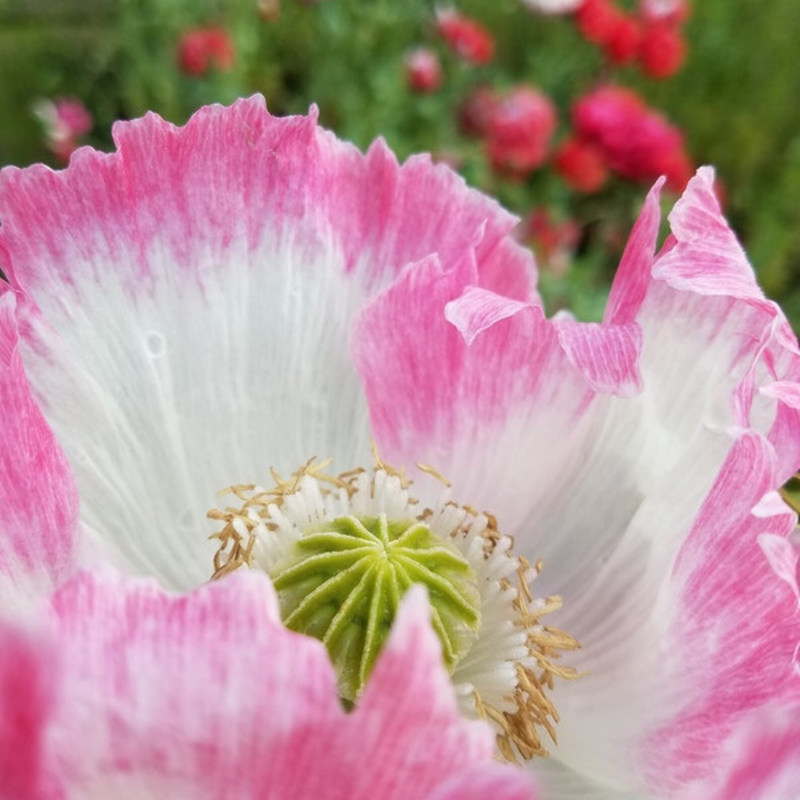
point(38, 498)
point(244, 166)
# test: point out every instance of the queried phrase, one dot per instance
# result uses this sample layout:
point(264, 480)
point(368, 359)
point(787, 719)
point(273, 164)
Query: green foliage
point(734, 99)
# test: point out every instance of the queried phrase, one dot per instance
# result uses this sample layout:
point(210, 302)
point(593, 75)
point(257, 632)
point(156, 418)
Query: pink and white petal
point(714, 350)
point(702, 290)
point(733, 639)
point(556, 456)
point(445, 363)
point(27, 695)
point(634, 271)
point(766, 758)
point(190, 300)
point(208, 696)
point(539, 422)
point(683, 651)
point(707, 258)
point(605, 355)
point(38, 499)
point(604, 488)
point(703, 277)
point(178, 696)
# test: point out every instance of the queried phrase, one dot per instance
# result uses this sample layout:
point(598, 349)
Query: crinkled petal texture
point(206, 696)
point(185, 304)
point(638, 458)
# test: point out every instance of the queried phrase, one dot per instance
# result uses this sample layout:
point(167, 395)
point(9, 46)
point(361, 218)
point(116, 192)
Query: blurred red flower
point(423, 70)
point(622, 45)
point(662, 51)
point(519, 131)
point(465, 36)
point(581, 165)
point(597, 20)
point(200, 49)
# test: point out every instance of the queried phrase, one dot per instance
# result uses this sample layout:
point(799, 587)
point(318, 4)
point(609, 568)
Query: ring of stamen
point(505, 674)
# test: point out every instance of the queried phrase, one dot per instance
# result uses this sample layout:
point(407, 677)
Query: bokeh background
point(729, 95)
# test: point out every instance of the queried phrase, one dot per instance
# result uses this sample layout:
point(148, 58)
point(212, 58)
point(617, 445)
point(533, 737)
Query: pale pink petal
point(784, 558)
point(704, 356)
point(27, 693)
point(190, 300)
point(208, 696)
point(234, 172)
point(607, 355)
point(706, 270)
point(731, 645)
point(477, 310)
point(633, 274)
point(787, 391)
point(707, 257)
point(487, 782)
point(38, 499)
point(434, 338)
point(766, 758)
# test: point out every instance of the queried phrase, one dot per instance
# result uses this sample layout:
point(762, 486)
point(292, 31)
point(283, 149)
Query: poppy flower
point(213, 306)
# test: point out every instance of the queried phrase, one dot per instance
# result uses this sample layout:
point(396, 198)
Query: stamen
point(434, 473)
point(299, 531)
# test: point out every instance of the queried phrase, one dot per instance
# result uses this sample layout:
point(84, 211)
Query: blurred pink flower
point(211, 301)
point(636, 142)
point(66, 120)
point(519, 132)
